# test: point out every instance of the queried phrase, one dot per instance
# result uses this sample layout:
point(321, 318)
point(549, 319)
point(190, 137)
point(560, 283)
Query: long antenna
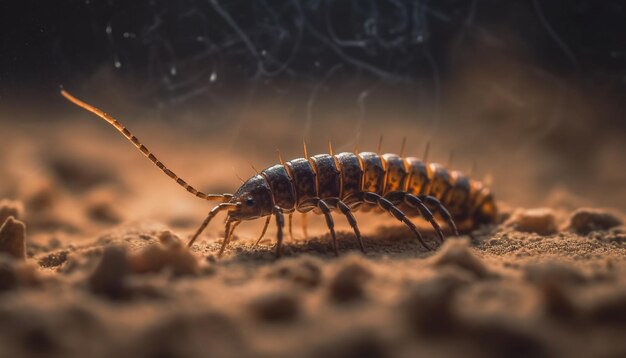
point(143, 148)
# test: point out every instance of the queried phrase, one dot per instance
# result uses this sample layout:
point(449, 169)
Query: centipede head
point(253, 199)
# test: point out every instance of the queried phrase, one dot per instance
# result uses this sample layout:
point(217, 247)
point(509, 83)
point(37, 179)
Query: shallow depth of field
point(528, 97)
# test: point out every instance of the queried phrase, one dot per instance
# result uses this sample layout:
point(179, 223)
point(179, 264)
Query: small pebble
point(79, 174)
point(540, 221)
point(306, 272)
point(500, 338)
point(348, 284)
point(12, 238)
point(502, 300)
point(103, 212)
point(359, 342)
point(42, 198)
point(586, 220)
point(179, 334)
point(10, 208)
point(8, 276)
point(109, 278)
point(169, 253)
point(428, 305)
point(553, 280)
point(275, 307)
point(608, 306)
point(14, 273)
point(554, 273)
point(456, 252)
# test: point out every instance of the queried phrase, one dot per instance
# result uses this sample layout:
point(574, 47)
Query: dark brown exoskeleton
point(346, 182)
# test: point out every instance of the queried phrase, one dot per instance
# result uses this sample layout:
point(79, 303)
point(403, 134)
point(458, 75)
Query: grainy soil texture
point(93, 260)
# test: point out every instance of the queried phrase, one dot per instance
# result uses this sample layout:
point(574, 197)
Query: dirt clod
point(103, 212)
point(348, 284)
point(505, 339)
point(364, 343)
point(77, 173)
point(109, 278)
point(541, 221)
point(427, 308)
point(554, 282)
point(275, 307)
point(170, 253)
point(586, 220)
point(8, 276)
point(554, 273)
point(456, 252)
point(10, 208)
point(12, 238)
point(306, 273)
point(15, 273)
point(608, 306)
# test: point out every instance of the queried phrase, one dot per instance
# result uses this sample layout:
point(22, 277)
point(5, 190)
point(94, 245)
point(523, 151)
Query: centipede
point(403, 186)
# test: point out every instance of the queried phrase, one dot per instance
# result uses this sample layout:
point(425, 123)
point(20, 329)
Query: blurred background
point(533, 92)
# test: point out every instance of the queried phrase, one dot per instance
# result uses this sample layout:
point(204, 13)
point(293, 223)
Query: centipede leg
point(305, 222)
point(280, 222)
point(415, 202)
point(346, 211)
point(330, 223)
point(432, 201)
point(227, 235)
point(373, 198)
point(290, 226)
point(206, 221)
point(267, 223)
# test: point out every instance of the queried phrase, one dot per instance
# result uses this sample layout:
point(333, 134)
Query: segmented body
point(365, 181)
point(348, 177)
point(403, 187)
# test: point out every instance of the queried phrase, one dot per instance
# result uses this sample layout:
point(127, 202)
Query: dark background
point(172, 49)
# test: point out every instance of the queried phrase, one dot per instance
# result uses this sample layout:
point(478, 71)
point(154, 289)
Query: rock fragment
point(348, 284)
point(586, 220)
point(607, 305)
point(276, 307)
point(15, 273)
point(109, 278)
point(428, 306)
point(554, 273)
point(354, 343)
point(456, 252)
point(170, 253)
point(12, 238)
point(10, 208)
point(8, 276)
point(555, 282)
point(305, 273)
point(103, 212)
point(541, 221)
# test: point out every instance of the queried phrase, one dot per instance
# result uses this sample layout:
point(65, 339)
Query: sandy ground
point(103, 271)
